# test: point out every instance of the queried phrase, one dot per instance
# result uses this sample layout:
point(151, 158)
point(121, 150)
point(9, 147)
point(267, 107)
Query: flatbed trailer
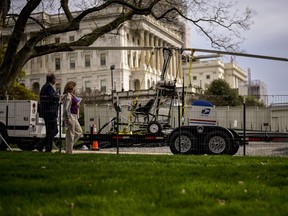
point(264, 136)
point(194, 139)
point(124, 138)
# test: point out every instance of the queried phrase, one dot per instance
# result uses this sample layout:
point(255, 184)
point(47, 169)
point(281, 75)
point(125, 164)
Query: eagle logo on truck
point(205, 111)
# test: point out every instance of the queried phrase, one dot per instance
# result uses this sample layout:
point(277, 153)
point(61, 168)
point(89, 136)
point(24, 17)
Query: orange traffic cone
point(95, 145)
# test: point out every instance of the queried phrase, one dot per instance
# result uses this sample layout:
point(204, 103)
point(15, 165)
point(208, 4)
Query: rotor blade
point(238, 54)
point(207, 56)
point(186, 49)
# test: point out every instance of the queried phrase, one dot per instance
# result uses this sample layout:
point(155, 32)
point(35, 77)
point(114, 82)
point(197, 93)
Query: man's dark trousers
point(51, 131)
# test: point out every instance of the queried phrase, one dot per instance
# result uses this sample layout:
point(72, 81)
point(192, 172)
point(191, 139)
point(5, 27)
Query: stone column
point(147, 44)
point(142, 44)
point(157, 56)
point(161, 44)
point(153, 57)
point(169, 71)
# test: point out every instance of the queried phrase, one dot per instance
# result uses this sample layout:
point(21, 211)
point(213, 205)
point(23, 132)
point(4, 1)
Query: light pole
point(112, 67)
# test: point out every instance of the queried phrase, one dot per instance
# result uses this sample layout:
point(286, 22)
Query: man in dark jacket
point(48, 109)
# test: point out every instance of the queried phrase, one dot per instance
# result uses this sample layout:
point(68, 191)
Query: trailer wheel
point(217, 142)
point(3, 146)
point(234, 149)
point(188, 143)
point(154, 128)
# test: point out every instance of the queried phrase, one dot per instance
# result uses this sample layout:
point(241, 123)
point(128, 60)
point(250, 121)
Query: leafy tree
point(220, 93)
point(17, 90)
point(217, 21)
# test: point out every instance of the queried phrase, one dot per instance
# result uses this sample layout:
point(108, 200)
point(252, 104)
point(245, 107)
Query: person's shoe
point(84, 147)
point(48, 149)
point(57, 142)
point(39, 148)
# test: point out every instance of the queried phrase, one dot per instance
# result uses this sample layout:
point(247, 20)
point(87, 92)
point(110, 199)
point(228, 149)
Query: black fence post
point(60, 126)
point(244, 125)
point(179, 125)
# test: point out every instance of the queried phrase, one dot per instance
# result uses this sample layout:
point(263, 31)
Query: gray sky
point(267, 36)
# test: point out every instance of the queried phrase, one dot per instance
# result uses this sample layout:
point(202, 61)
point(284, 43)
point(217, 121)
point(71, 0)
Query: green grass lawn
point(33, 183)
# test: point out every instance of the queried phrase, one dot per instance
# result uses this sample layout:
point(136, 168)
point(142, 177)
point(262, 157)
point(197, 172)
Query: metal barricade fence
point(273, 118)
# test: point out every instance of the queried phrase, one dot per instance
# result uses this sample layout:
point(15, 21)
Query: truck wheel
point(3, 146)
point(234, 149)
point(217, 142)
point(154, 128)
point(188, 143)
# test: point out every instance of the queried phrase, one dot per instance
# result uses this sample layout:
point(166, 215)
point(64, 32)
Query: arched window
point(148, 84)
point(136, 84)
point(36, 87)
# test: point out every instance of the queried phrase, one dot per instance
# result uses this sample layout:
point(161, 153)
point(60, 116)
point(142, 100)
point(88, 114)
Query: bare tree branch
point(206, 16)
point(65, 7)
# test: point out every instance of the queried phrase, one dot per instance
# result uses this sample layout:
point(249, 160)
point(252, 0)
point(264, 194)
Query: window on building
point(72, 62)
point(129, 59)
point(57, 40)
point(207, 76)
point(36, 87)
point(87, 61)
point(148, 83)
point(194, 77)
point(134, 60)
point(87, 85)
point(33, 64)
point(40, 62)
point(103, 85)
point(139, 61)
point(136, 84)
point(58, 86)
point(102, 59)
point(71, 38)
point(57, 64)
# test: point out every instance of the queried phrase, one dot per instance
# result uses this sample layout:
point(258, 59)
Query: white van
point(20, 124)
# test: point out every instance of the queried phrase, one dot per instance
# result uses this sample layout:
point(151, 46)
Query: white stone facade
point(202, 73)
point(91, 68)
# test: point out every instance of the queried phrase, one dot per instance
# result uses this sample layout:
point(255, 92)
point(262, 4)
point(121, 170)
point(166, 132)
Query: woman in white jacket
point(70, 115)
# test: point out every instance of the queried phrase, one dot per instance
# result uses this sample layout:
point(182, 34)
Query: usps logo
point(205, 111)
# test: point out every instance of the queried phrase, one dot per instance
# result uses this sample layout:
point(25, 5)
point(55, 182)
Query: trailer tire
point(188, 143)
point(217, 143)
point(234, 149)
point(154, 128)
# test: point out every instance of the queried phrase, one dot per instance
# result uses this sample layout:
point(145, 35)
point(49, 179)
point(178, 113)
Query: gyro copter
point(149, 118)
point(152, 125)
